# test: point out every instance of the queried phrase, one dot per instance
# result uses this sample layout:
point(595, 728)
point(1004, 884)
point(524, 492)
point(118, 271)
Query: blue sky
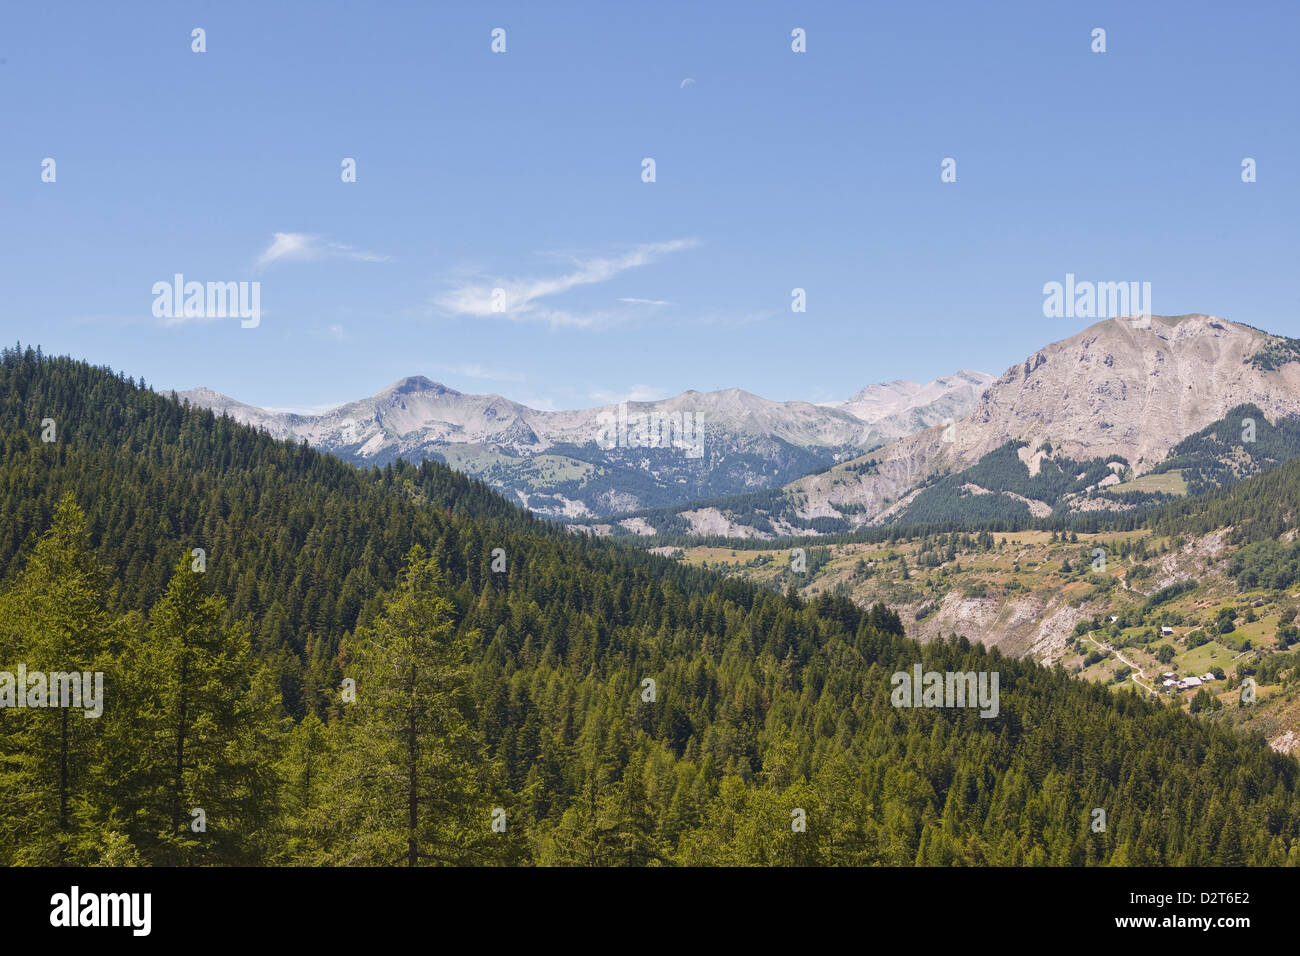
point(522, 171)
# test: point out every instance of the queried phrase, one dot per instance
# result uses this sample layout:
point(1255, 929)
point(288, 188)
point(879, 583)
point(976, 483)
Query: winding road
point(1138, 672)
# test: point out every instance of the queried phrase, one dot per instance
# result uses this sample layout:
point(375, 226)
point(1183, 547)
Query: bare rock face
point(903, 407)
point(1123, 387)
point(1035, 624)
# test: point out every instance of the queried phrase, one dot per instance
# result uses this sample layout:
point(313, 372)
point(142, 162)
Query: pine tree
point(55, 623)
point(206, 732)
point(302, 771)
point(411, 782)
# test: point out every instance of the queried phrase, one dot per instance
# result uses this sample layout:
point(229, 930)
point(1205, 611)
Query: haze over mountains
point(580, 464)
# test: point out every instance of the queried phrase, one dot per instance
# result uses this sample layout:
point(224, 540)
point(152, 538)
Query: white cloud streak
point(304, 247)
point(520, 300)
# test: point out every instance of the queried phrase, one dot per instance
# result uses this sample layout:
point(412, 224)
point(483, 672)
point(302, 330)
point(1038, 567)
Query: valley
point(1121, 608)
point(618, 707)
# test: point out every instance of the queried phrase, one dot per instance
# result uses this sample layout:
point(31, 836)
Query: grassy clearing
point(1169, 483)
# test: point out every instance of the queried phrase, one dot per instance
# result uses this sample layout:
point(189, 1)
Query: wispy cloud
point(521, 300)
point(474, 370)
point(646, 302)
point(637, 393)
point(304, 247)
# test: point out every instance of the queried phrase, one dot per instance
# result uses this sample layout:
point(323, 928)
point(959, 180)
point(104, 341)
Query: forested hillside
point(341, 676)
point(998, 475)
point(1262, 507)
point(1242, 443)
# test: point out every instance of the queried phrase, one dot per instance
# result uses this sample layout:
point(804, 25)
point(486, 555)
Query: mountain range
point(595, 462)
point(1098, 410)
point(1091, 422)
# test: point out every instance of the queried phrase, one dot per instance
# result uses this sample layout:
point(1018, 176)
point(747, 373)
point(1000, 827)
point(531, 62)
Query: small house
point(1166, 630)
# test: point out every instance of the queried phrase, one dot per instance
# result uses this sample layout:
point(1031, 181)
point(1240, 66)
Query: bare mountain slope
point(903, 407)
point(1116, 389)
point(1105, 406)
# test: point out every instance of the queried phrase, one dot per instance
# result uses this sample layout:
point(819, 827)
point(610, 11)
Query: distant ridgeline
point(353, 643)
point(989, 493)
point(1261, 507)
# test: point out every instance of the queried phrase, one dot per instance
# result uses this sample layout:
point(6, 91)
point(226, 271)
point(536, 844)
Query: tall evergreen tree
point(411, 781)
point(53, 623)
point(202, 787)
